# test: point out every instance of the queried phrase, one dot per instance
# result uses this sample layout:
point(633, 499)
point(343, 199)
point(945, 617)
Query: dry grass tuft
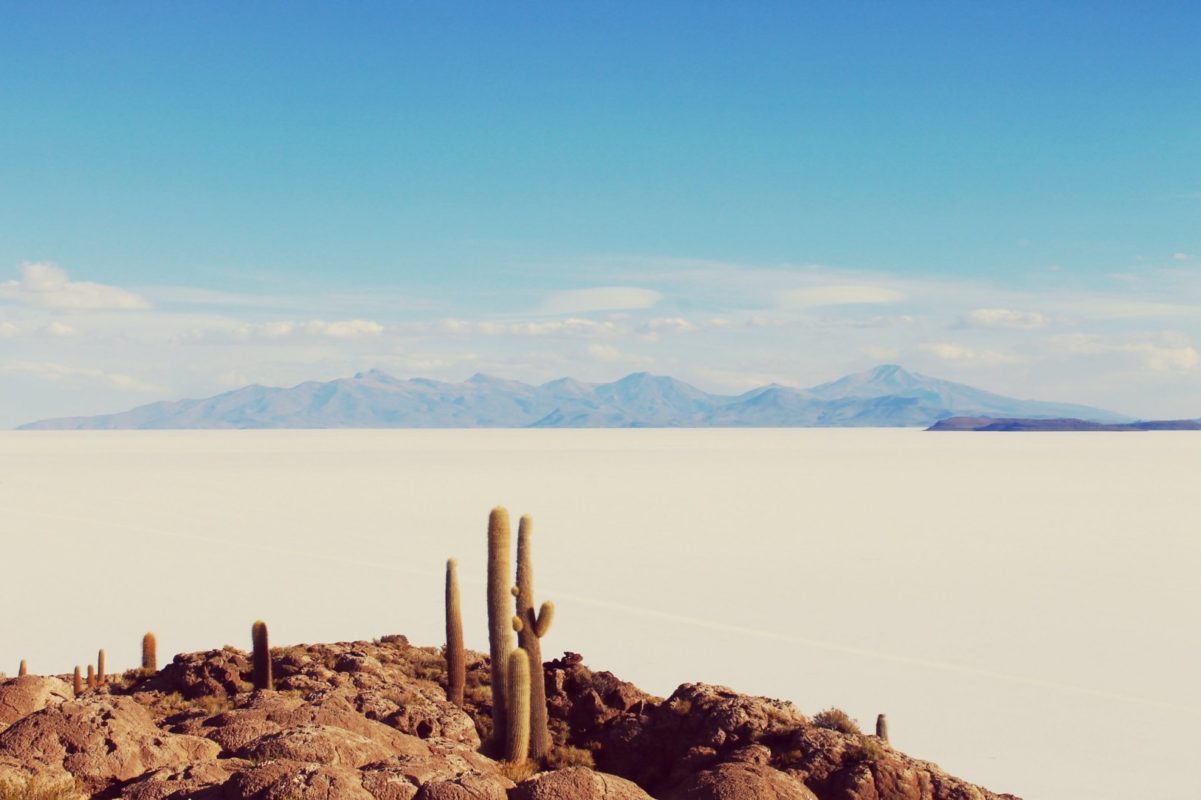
point(39, 788)
point(836, 719)
point(567, 756)
point(518, 771)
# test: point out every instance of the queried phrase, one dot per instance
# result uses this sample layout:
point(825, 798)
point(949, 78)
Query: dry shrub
point(518, 771)
point(40, 788)
point(836, 719)
point(567, 756)
point(871, 750)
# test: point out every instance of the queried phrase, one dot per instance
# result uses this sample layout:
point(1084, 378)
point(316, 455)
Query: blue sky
point(196, 195)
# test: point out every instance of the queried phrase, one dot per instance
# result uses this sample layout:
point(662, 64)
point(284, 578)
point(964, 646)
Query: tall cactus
point(530, 629)
point(500, 634)
point(77, 683)
point(882, 727)
point(100, 675)
point(23, 670)
point(456, 658)
point(517, 734)
point(262, 657)
point(149, 653)
point(91, 677)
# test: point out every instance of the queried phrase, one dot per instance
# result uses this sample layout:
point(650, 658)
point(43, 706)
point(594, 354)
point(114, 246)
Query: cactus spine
point(530, 629)
point(500, 634)
point(517, 738)
point(77, 684)
point(23, 670)
point(456, 658)
point(100, 667)
point(882, 727)
point(149, 653)
point(91, 677)
point(262, 657)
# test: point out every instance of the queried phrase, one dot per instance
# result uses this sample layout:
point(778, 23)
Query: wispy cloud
point(51, 371)
point(842, 295)
point(606, 298)
point(1004, 318)
point(46, 285)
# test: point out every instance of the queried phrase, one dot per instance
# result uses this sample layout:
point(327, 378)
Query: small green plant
point(836, 719)
point(262, 657)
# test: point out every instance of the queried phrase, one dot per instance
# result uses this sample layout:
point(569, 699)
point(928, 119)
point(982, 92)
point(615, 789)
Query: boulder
point(100, 740)
point(740, 781)
point(20, 697)
point(577, 783)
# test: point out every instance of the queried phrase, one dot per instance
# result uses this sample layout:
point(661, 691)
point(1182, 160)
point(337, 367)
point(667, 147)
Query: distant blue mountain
point(887, 396)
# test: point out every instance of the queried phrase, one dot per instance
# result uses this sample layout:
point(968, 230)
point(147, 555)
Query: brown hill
point(370, 720)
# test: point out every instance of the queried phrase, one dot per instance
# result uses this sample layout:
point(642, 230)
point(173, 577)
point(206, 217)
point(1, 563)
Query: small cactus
point(882, 727)
point(456, 658)
point(517, 734)
point(530, 629)
point(23, 670)
point(262, 657)
point(500, 634)
point(100, 675)
point(149, 653)
point(91, 677)
point(77, 684)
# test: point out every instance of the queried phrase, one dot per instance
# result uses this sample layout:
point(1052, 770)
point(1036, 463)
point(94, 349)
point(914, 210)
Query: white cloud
point(840, 295)
point(652, 329)
point(346, 329)
point(47, 286)
point(8, 330)
point(1181, 257)
point(57, 328)
point(611, 355)
point(608, 298)
point(1161, 353)
point(577, 327)
point(951, 351)
point(50, 371)
point(1004, 318)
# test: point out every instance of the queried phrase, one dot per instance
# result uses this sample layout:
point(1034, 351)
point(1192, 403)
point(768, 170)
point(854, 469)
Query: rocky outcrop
point(22, 696)
point(359, 720)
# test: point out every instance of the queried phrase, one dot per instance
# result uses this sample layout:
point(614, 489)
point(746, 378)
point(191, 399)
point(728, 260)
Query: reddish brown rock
point(322, 744)
point(466, 787)
point(293, 780)
point(20, 697)
point(577, 783)
point(100, 740)
point(740, 781)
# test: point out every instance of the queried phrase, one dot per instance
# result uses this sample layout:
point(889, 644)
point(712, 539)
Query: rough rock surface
point(370, 720)
point(22, 696)
point(577, 783)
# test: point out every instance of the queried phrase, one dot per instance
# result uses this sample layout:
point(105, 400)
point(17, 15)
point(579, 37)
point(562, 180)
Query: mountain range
point(887, 396)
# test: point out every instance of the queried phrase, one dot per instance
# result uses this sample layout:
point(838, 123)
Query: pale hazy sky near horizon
point(197, 197)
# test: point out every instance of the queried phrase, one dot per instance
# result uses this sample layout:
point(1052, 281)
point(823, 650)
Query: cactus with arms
point(531, 627)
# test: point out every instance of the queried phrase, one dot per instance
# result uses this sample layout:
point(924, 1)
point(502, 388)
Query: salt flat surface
point(1025, 607)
